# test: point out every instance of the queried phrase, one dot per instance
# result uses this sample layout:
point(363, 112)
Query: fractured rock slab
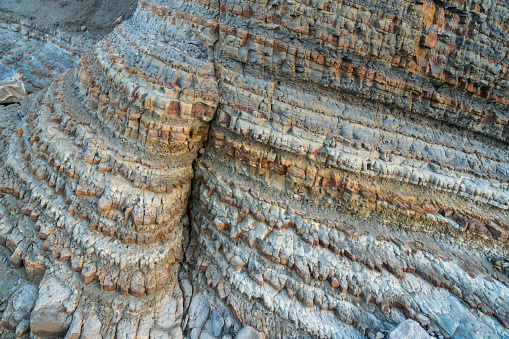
point(409, 329)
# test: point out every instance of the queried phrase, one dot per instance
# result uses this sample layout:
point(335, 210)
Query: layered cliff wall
point(308, 168)
point(37, 53)
point(356, 170)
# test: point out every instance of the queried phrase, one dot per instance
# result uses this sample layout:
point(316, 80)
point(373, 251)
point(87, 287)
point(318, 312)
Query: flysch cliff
point(242, 169)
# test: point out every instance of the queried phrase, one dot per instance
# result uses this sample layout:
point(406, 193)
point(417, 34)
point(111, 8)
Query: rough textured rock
point(96, 17)
point(292, 169)
point(38, 53)
point(409, 329)
point(50, 317)
point(12, 90)
point(249, 333)
point(17, 295)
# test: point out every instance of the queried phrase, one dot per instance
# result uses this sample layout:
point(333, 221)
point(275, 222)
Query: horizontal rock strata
point(36, 52)
point(352, 177)
point(305, 168)
point(97, 181)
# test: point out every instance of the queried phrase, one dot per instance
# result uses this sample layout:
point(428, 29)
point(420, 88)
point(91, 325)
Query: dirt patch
point(98, 16)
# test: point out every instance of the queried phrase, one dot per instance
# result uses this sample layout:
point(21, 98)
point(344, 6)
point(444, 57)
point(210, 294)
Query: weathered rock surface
point(291, 169)
point(50, 316)
point(249, 333)
point(99, 17)
point(347, 183)
point(17, 295)
point(37, 53)
point(409, 329)
point(12, 90)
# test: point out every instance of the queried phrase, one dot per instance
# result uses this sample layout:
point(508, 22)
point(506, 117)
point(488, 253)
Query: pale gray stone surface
point(49, 317)
point(249, 333)
point(409, 329)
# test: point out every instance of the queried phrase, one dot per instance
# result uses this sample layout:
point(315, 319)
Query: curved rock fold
point(294, 168)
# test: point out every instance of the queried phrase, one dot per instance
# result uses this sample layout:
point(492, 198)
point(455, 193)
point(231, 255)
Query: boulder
point(49, 317)
point(12, 90)
point(409, 329)
point(249, 333)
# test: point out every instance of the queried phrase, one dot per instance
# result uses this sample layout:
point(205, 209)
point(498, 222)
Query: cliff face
point(356, 169)
point(37, 53)
point(307, 168)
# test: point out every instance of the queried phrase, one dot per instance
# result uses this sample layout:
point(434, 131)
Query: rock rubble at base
point(246, 169)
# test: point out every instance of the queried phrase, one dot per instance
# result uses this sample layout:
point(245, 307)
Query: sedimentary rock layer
point(343, 166)
point(102, 175)
point(37, 53)
point(356, 172)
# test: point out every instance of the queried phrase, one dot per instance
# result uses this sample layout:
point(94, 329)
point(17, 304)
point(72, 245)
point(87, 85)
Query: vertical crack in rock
point(354, 174)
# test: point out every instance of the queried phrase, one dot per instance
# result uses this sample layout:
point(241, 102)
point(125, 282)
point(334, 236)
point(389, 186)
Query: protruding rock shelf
point(288, 169)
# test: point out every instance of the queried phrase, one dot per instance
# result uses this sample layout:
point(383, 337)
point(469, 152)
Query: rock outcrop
point(409, 329)
point(36, 52)
point(268, 168)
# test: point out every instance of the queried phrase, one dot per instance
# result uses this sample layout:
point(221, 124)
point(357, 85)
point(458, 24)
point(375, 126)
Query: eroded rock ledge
point(305, 168)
